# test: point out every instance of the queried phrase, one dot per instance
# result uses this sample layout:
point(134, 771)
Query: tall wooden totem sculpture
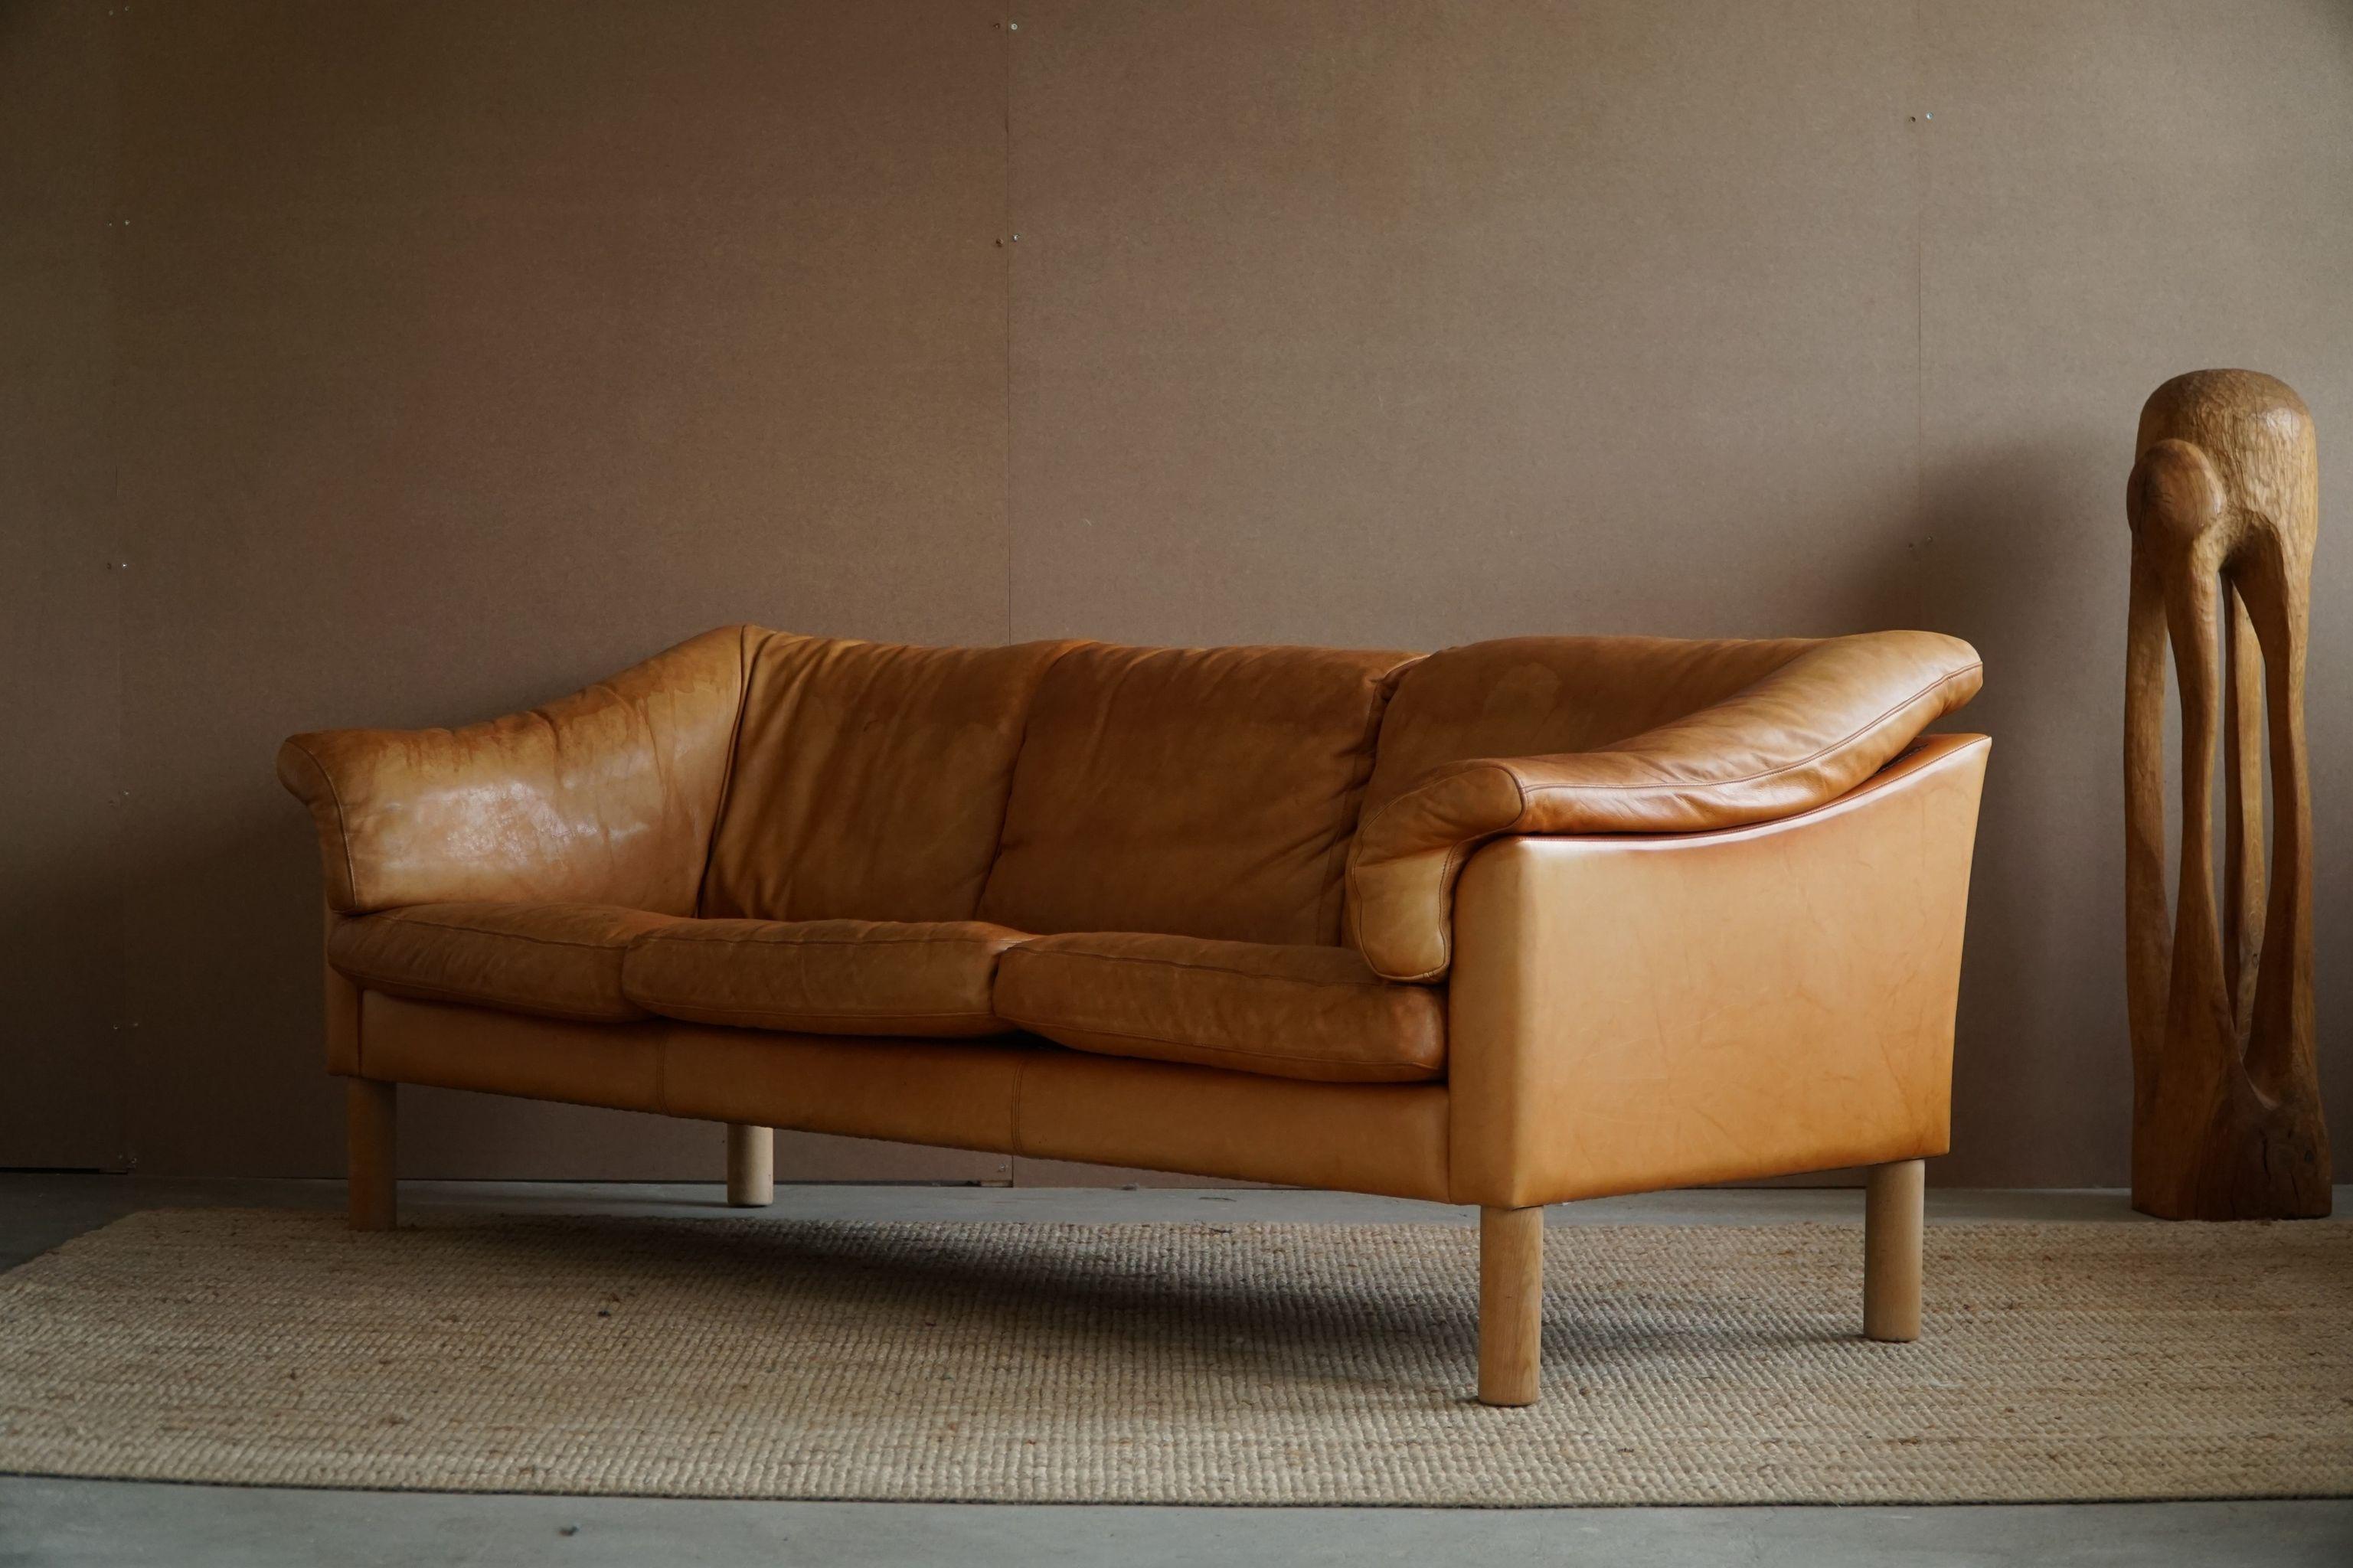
point(2225, 502)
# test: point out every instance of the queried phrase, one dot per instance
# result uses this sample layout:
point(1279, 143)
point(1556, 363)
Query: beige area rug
point(1175, 1363)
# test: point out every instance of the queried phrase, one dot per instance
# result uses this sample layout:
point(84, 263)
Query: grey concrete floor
point(47, 1521)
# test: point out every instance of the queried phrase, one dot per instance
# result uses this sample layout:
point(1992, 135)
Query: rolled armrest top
point(1811, 731)
point(604, 797)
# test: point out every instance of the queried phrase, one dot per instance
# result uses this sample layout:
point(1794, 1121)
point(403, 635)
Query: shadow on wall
point(2028, 560)
point(240, 1027)
point(251, 1010)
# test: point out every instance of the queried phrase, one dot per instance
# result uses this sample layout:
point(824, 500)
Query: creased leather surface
point(605, 796)
point(957, 1095)
point(408, 1041)
point(923, 1091)
point(1012, 1097)
point(870, 779)
point(1527, 696)
point(1637, 1012)
point(850, 977)
point(1816, 724)
point(562, 961)
point(1196, 792)
point(1289, 1011)
point(1386, 1137)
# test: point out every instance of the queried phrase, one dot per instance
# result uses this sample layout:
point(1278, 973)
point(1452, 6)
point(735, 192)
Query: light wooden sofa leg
point(1892, 1218)
point(1510, 1304)
point(372, 1137)
point(751, 1166)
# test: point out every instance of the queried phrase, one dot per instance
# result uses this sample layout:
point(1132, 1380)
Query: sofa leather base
point(1020, 1096)
point(1629, 1012)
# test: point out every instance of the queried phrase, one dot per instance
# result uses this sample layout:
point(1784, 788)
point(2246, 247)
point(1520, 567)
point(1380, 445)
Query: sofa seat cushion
point(558, 961)
point(1287, 1012)
point(927, 978)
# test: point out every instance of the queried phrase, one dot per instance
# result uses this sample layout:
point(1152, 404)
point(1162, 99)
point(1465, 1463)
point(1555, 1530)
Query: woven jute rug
point(1175, 1363)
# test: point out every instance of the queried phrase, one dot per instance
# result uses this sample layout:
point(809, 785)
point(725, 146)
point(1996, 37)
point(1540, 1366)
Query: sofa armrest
point(1633, 1013)
point(604, 797)
point(1803, 735)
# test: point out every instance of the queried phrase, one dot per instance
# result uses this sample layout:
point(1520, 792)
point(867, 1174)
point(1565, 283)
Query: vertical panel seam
point(126, 1113)
point(1921, 573)
point(1005, 231)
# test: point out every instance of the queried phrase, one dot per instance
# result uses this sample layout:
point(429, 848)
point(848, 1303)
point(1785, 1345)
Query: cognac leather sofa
point(1513, 923)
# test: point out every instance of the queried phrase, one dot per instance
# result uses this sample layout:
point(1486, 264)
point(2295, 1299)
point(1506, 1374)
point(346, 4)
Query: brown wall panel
point(1411, 323)
point(472, 352)
point(454, 354)
point(61, 671)
point(2114, 194)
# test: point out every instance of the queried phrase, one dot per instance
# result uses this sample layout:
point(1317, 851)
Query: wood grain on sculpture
point(2224, 504)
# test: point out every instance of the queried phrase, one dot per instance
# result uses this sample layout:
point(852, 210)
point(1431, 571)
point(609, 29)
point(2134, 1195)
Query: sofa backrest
point(869, 779)
point(1060, 786)
point(1532, 697)
point(1196, 792)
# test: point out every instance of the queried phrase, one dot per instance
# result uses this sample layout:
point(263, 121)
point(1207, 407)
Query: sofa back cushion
point(1196, 791)
point(1532, 697)
point(870, 779)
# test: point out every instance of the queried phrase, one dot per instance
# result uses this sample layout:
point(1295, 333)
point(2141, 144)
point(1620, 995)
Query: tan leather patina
point(607, 796)
point(1518, 921)
point(927, 979)
point(560, 960)
point(1289, 1011)
point(1195, 792)
point(870, 780)
point(1772, 730)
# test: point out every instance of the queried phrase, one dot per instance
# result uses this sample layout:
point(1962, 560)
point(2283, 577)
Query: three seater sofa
point(1513, 923)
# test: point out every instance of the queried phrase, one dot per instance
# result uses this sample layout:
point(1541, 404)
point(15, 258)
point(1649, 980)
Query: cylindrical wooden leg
point(1510, 1304)
point(371, 1131)
point(751, 1166)
point(1893, 1217)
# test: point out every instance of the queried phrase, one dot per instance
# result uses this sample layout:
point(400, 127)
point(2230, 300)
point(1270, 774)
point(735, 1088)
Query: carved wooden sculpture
point(2223, 502)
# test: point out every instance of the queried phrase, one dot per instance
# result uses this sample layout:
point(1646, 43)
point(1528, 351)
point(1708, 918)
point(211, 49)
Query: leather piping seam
point(1504, 764)
point(427, 991)
point(1375, 984)
point(1456, 853)
point(1445, 936)
point(645, 999)
point(1843, 797)
point(343, 822)
point(659, 935)
point(1852, 738)
point(1241, 1052)
point(727, 778)
point(402, 918)
point(1352, 812)
point(1702, 835)
point(1459, 850)
point(1013, 767)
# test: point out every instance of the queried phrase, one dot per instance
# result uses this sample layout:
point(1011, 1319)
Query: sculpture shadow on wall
point(2023, 554)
